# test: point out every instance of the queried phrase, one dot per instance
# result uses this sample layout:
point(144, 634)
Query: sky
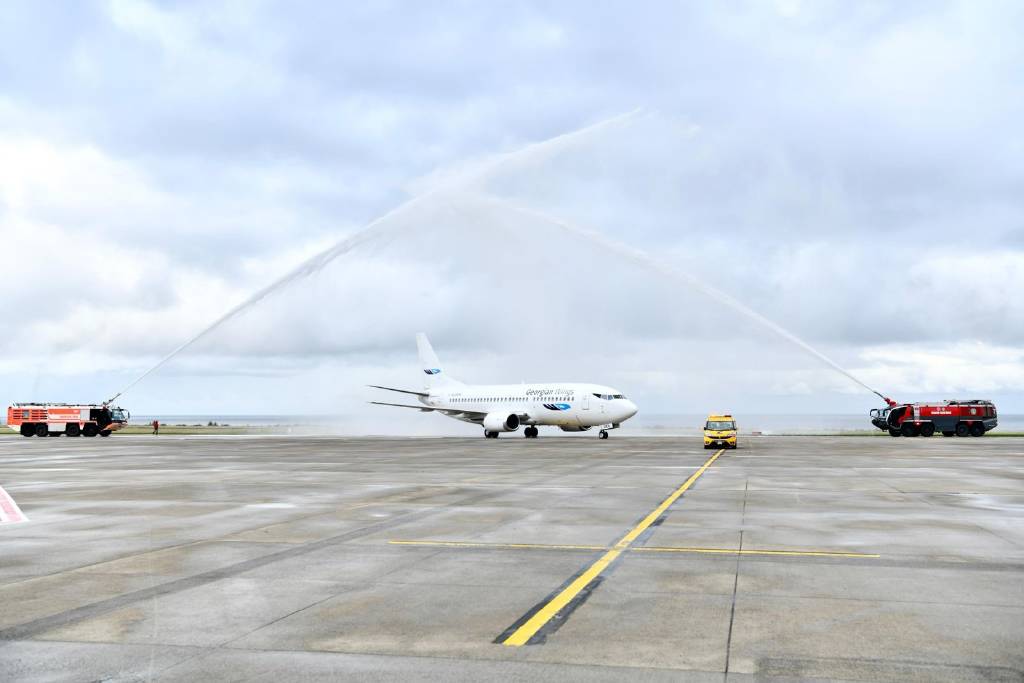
point(853, 172)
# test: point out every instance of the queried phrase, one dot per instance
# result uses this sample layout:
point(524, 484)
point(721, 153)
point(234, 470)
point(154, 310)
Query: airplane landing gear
point(490, 435)
point(602, 434)
point(530, 433)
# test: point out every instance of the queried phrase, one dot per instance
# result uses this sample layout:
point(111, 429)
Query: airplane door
point(586, 401)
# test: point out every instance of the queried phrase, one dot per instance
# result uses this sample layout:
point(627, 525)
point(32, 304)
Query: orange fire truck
point(54, 419)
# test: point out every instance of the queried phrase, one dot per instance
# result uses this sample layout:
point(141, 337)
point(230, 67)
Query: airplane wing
point(427, 409)
point(401, 391)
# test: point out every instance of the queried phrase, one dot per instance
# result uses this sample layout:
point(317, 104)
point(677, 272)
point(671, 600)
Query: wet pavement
point(183, 558)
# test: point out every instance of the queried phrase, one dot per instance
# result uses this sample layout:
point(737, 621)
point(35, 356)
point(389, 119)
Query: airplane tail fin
point(435, 375)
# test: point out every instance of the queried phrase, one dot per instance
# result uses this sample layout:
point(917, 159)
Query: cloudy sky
point(854, 172)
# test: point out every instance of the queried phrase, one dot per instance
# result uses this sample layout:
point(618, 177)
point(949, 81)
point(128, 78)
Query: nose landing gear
point(603, 434)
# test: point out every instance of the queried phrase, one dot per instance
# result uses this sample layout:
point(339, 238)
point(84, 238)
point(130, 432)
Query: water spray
point(376, 229)
point(642, 258)
point(379, 227)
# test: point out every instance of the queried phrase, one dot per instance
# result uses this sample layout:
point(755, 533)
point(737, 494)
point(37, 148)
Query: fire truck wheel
point(106, 432)
point(42, 429)
point(949, 433)
point(908, 429)
point(28, 429)
point(894, 432)
point(977, 429)
point(962, 429)
point(73, 430)
point(90, 430)
point(927, 429)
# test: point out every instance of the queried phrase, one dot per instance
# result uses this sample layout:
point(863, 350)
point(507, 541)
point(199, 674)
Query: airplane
point(498, 408)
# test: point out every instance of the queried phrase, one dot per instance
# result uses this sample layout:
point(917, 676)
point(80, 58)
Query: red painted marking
point(9, 511)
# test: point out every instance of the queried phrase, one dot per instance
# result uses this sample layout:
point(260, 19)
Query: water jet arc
point(641, 257)
point(381, 225)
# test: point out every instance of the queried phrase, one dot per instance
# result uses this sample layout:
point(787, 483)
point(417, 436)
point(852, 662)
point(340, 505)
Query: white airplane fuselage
point(570, 406)
point(562, 404)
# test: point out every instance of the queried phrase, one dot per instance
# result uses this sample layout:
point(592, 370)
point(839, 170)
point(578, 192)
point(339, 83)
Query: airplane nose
point(630, 410)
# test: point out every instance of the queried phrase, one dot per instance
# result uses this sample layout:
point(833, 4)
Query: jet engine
point(499, 422)
point(574, 428)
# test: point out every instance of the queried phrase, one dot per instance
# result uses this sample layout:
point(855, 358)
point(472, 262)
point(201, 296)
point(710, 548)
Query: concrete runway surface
point(234, 558)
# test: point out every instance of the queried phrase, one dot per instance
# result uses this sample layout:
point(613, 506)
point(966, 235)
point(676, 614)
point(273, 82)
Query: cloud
point(850, 172)
point(961, 367)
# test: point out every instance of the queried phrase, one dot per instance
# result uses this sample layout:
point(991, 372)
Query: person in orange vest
point(156, 427)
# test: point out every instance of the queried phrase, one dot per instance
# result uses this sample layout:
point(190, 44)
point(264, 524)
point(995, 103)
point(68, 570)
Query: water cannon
point(888, 401)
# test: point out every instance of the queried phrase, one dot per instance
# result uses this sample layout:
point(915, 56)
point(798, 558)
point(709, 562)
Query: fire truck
point(950, 418)
point(54, 419)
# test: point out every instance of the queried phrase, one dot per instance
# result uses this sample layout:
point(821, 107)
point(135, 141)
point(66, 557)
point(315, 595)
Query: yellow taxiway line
point(638, 549)
point(749, 551)
point(501, 546)
point(527, 630)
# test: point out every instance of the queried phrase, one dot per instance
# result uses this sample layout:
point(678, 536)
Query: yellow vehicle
point(720, 432)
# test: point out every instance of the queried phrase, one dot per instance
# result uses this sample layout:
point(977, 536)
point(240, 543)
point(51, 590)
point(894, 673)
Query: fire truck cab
point(54, 419)
point(950, 418)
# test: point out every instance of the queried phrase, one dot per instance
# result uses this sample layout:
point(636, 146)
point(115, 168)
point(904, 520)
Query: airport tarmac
point(568, 558)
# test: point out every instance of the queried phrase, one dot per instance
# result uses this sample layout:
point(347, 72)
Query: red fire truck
point(950, 418)
point(54, 419)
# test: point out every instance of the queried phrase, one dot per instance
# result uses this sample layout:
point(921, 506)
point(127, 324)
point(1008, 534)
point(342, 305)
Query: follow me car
point(720, 432)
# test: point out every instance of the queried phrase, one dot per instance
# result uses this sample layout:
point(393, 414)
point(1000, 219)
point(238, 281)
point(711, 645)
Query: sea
point(640, 425)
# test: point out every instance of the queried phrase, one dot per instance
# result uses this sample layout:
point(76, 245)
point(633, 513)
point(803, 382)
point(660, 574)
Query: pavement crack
point(736, 580)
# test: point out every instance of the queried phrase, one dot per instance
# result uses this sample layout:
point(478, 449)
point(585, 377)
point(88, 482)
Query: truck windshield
point(720, 425)
point(117, 415)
